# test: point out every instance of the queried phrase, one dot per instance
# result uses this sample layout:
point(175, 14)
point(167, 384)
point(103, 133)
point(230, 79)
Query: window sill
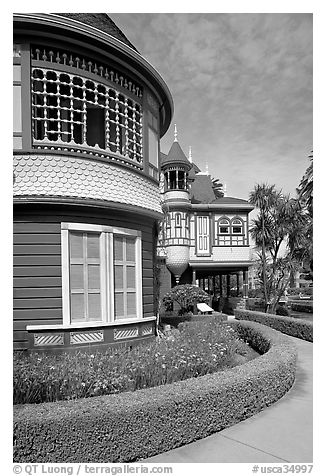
point(88, 325)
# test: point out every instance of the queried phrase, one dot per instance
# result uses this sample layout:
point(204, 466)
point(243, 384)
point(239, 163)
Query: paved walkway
point(282, 433)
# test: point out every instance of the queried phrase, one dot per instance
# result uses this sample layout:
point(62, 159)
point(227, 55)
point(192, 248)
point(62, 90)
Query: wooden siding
point(37, 261)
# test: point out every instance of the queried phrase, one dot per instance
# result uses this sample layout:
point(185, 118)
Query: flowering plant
point(186, 296)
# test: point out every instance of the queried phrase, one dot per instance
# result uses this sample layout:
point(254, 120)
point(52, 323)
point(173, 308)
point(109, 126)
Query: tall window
point(125, 290)
point(101, 269)
point(86, 289)
point(76, 111)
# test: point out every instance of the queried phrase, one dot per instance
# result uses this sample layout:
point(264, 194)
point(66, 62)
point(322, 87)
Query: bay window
point(101, 273)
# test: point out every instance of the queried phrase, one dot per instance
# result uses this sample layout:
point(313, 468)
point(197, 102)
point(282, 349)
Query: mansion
point(91, 187)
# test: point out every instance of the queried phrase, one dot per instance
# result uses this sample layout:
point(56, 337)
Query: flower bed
point(205, 346)
point(134, 425)
point(288, 325)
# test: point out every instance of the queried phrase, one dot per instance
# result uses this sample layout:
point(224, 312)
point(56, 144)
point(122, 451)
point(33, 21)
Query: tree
point(305, 189)
point(279, 222)
point(262, 198)
point(302, 243)
point(217, 188)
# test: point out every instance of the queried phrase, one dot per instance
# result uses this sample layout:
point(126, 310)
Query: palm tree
point(217, 188)
point(279, 224)
point(305, 189)
point(262, 198)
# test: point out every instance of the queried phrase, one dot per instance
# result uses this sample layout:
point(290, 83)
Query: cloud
point(242, 88)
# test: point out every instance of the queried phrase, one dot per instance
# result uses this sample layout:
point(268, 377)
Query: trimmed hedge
point(136, 425)
point(288, 325)
point(305, 306)
point(174, 320)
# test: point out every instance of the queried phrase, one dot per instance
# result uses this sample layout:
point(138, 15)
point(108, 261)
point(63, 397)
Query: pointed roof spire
point(207, 169)
point(175, 133)
point(190, 155)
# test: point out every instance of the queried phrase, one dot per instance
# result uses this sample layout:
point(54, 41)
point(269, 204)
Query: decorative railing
point(84, 115)
point(84, 63)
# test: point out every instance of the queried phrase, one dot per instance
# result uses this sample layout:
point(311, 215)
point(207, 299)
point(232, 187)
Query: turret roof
point(175, 156)
point(101, 21)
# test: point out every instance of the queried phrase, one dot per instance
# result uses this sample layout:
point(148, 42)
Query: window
point(125, 291)
point(153, 147)
point(224, 227)
point(101, 270)
point(237, 226)
point(178, 219)
point(229, 232)
point(76, 111)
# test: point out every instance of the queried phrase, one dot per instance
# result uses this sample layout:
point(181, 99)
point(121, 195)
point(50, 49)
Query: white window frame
point(237, 222)
point(107, 271)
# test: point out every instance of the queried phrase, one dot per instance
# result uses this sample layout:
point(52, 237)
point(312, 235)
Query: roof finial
point(207, 169)
point(175, 133)
point(190, 155)
point(225, 190)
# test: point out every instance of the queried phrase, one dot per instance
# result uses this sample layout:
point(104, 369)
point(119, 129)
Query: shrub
point(206, 346)
point(255, 293)
point(255, 304)
point(288, 325)
point(227, 307)
point(302, 306)
point(173, 319)
point(308, 291)
point(187, 296)
point(282, 311)
point(136, 425)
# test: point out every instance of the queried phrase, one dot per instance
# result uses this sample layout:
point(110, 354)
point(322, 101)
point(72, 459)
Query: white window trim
point(106, 270)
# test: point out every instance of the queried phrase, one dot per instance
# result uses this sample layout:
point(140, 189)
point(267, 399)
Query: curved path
point(282, 433)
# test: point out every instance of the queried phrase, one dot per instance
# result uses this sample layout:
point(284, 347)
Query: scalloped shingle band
point(65, 176)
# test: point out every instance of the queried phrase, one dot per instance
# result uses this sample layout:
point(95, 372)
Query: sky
point(242, 90)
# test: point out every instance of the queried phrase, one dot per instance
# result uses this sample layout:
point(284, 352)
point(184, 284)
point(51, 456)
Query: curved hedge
point(288, 325)
point(135, 425)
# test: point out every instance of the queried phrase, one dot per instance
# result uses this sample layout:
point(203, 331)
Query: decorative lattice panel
point(84, 114)
point(86, 337)
point(147, 330)
point(125, 333)
point(48, 339)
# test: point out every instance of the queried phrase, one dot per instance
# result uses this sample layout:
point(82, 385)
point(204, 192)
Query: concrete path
point(282, 433)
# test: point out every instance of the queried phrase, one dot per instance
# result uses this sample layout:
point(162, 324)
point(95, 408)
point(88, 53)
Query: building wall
point(223, 253)
point(37, 261)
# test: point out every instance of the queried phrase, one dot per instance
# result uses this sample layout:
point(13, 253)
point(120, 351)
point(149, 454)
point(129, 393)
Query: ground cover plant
point(196, 349)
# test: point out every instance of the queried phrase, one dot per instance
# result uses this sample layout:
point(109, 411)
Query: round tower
point(175, 168)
